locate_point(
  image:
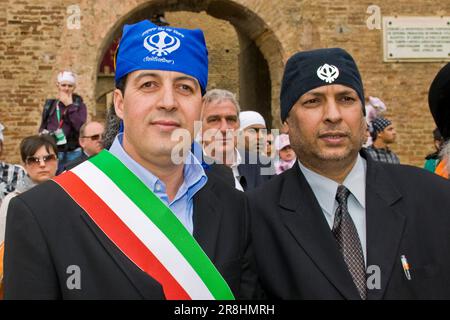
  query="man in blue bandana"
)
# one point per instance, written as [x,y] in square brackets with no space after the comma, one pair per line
[161,75]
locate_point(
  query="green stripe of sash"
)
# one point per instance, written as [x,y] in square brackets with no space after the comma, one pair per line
[165,220]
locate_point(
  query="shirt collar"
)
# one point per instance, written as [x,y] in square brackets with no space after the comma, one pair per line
[193,173]
[237,159]
[356,181]
[325,189]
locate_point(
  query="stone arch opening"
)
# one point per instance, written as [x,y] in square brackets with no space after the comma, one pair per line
[259,59]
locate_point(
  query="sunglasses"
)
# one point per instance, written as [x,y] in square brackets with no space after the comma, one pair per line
[94,137]
[35,161]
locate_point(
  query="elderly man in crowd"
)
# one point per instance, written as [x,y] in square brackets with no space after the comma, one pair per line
[220,125]
[91,142]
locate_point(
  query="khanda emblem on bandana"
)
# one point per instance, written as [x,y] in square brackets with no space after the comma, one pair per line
[328,73]
[161,43]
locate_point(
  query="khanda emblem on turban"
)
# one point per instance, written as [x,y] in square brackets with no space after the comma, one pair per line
[161,43]
[328,73]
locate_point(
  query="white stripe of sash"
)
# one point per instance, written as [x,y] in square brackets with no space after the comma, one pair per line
[150,235]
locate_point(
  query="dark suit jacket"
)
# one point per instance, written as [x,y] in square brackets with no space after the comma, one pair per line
[77,161]
[407,213]
[47,232]
[253,171]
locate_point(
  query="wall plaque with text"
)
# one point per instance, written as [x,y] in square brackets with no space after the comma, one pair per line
[416,39]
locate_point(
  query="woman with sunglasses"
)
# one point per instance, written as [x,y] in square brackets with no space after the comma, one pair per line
[39,155]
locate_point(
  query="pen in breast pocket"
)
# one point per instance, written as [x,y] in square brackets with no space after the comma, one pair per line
[405,266]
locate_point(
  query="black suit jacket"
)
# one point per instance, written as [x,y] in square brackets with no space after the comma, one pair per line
[254,171]
[72,164]
[47,232]
[407,213]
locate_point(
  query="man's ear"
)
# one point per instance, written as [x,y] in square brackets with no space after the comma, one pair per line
[118,103]
[286,126]
[81,142]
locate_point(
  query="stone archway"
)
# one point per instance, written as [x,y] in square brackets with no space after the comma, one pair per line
[260,54]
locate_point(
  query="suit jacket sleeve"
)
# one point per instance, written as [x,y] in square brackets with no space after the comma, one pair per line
[29,272]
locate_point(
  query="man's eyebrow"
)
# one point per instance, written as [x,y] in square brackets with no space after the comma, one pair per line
[182,78]
[147,74]
[156,75]
[341,93]
[316,94]
[346,92]
[212,117]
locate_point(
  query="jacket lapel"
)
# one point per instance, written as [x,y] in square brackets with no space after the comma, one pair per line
[206,217]
[385,225]
[303,217]
[222,172]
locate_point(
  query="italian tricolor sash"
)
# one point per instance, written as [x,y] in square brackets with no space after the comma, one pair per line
[143,228]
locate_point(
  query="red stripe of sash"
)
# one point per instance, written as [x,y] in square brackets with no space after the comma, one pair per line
[118,232]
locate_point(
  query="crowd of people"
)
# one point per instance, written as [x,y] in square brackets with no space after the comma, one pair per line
[300,212]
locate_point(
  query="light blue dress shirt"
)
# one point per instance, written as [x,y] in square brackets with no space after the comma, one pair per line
[183,203]
[325,191]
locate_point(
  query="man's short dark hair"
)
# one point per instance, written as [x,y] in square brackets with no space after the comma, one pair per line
[121,84]
[30,145]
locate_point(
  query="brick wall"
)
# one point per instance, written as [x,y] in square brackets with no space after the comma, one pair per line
[35,44]
[221,39]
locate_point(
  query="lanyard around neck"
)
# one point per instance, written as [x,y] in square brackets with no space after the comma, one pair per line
[58,115]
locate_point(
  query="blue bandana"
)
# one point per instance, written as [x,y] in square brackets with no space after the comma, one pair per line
[145,46]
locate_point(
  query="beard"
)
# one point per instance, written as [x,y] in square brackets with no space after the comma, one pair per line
[309,147]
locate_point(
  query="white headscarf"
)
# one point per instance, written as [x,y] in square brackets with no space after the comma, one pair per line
[374,108]
[250,118]
[67,76]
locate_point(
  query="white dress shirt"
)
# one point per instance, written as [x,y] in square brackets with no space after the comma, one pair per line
[325,191]
[234,168]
